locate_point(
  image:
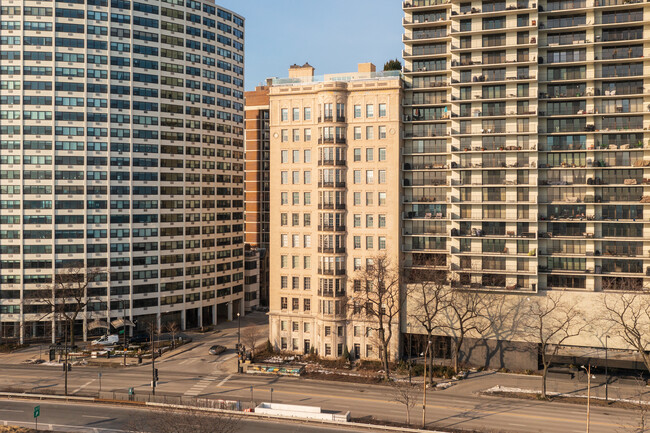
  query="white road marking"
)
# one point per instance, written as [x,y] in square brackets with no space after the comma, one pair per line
[83,386]
[226,358]
[95,416]
[200,386]
[11,410]
[225,380]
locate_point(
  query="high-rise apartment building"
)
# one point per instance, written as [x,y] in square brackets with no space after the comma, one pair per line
[525,150]
[334,203]
[257,180]
[122,149]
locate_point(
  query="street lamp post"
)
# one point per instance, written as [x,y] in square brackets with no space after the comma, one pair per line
[153,358]
[123,330]
[238,342]
[606,369]
[408,327]
[588,370]
[65,358]
[424,395]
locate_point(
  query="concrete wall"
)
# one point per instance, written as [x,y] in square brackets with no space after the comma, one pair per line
[499,354]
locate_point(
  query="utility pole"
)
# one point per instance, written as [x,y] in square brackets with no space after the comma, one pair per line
[424,395]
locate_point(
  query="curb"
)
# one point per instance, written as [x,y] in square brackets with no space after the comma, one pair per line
[47,397]
[224,411]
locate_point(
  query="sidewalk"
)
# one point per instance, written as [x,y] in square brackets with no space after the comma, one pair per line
[617,388]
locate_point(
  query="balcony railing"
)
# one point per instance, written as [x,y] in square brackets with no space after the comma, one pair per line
[598,3]
[339,162]
[422,3]
[331,184]
[331,228]
[331,250]
[322,271]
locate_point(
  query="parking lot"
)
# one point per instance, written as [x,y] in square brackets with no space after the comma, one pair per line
[193,356]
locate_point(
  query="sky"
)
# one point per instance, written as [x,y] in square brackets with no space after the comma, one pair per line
[332,35]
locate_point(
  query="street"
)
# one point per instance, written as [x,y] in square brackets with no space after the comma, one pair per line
[444,409]
[191,372]
[75,417]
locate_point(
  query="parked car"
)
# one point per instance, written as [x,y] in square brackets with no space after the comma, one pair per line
[217,349]
[107,340]
[139,338]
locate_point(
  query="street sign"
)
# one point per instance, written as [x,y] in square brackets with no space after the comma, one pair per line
[37,413]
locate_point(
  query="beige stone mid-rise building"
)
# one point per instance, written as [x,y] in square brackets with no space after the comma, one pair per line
[335,187]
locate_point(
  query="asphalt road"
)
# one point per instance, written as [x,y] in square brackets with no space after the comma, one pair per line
[444,409]
[71,417]
[192,372]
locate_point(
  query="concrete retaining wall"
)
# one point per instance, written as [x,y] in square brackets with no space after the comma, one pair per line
[304,412]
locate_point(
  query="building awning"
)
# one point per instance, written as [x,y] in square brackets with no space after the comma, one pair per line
[120,323]
[98,324]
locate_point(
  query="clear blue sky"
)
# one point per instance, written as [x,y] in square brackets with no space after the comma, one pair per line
[332,35]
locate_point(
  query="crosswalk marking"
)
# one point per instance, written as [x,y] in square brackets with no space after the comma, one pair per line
[200,386]
[224,380]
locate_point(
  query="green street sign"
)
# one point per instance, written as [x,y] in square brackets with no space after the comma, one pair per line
[37,411]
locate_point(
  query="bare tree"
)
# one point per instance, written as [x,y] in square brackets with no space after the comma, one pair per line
[641,407]
[184,421]
[551,322]
[376,295]
[173,328]
[628,315]
[428,291]
[67,296]
[465,313]
[406,394]
[251,336]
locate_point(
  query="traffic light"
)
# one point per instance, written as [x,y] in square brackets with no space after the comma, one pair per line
[155,374]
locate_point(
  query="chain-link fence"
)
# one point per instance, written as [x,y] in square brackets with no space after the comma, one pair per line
[180,400]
